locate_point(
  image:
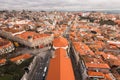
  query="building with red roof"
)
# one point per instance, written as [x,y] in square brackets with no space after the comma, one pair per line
[19,59]
[81,49]
[60,66]
[28,38]
[5,46]
[2,62]
[60,42]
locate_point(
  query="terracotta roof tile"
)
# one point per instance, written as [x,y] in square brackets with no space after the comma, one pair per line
[109,56]
[4,43]
[23,56]
[2,61]
[34,35]
[60,42]
[95,74]
[97,65]
[99,53]
[108,77]
[12,30]
[90,59]
[83,49]
[60,67]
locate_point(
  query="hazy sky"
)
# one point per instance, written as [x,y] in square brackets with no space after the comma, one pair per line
[60,4]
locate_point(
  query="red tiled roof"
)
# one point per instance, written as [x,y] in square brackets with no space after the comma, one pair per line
[99,53]
[12,30]
[88,59]
[34,35]
[60,42]
[117,21]
[108,77]
[60,67]
[83,49]
[114,62]
[95,74]
[4,43]
[109,56]
[23,56]
[97,65]
[2,61]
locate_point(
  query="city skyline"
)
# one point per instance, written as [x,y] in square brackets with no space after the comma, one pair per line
[71,5]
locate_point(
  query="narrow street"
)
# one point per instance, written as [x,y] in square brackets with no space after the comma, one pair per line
[75,67]
[40,69]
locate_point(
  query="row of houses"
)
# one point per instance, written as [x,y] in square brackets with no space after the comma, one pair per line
[60,66]
[90,57]
[5,46]
[18,59]
[90,65]
[96,41]
[28,38]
